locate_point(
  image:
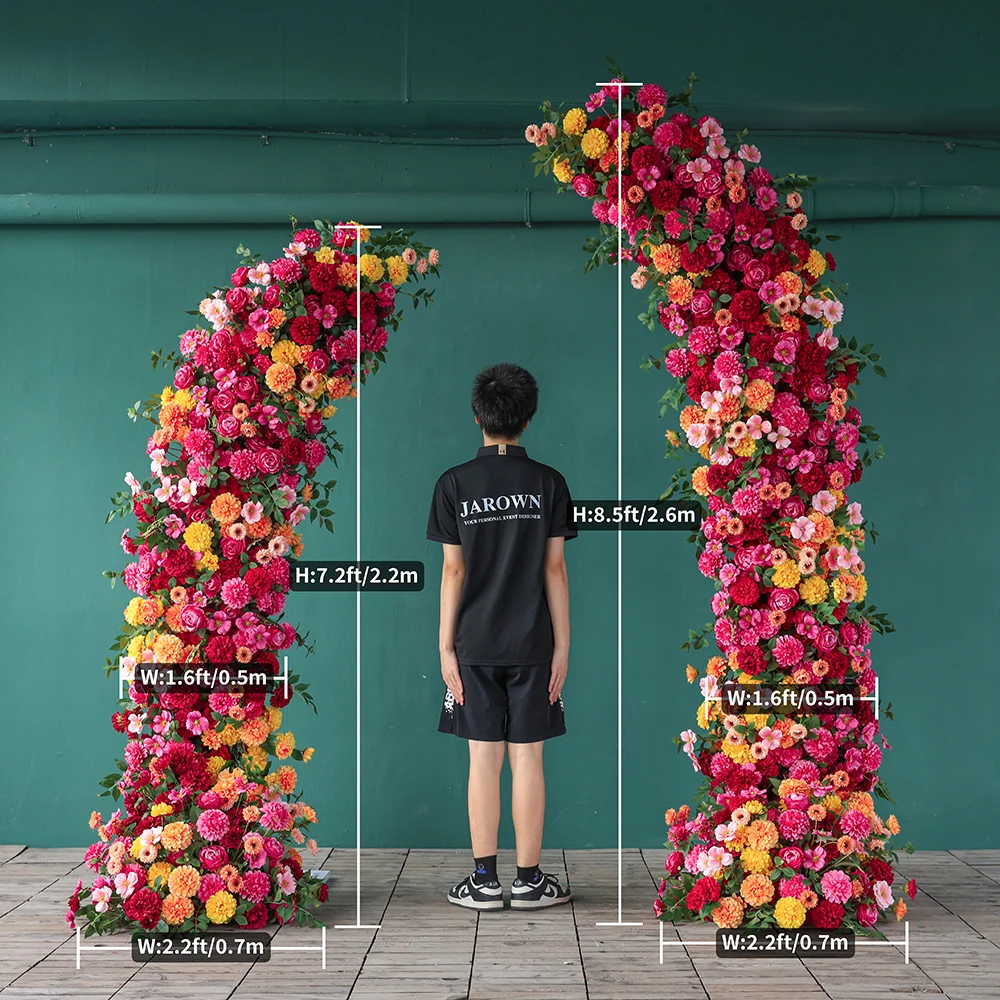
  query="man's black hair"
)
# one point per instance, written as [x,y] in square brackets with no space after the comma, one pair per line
[504,398]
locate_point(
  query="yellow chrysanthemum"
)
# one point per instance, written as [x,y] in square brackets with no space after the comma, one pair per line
[230,735]
[326,255]
[754,859]
[158,870]
[198,536]
[594,143]
[833,803]
[813,589]
[133,615]
[739,754]
[786,575]
[575,121]
[221,907]
[397,269]
[789,912]
[816,263]
[371,266]
[308,753]
[161,809]
[216,763]
[562,171]
[208,561]
[746,447]
[754,807]
[285,352]
[272,716]
[255,758]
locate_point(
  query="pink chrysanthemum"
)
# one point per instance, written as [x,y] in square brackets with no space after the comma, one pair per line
[212,824]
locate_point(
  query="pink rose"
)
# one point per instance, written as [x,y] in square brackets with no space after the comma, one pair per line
[238,299]
[792,507]
[782,599]
[709,185]
[271,297]
[239,277]
[584,185]
[791,857]
[247,388]
[826,639]
[269,461]
[818,390]
[820,434]
[213,857]
[867,914]
[756,274]
[739,257]
[228,426]
[232,547]
[192,618]
[701,303]
[223,401]
[675,862]
[184,376]
[273,848]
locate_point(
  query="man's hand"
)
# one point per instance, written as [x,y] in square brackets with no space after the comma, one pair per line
[560,664]
[449,671]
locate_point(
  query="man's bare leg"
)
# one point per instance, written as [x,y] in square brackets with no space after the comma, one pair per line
[527,800]
[485,764]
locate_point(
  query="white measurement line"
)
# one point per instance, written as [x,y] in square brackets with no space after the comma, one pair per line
[904,944]
[357,227]
[619,922]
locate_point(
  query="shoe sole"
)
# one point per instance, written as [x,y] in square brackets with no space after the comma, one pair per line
[537,904]
[474,904]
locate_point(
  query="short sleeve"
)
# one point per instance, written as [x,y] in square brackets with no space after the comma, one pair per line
[442,524]
[561,524]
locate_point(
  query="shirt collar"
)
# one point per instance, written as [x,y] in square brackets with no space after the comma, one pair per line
[493,449]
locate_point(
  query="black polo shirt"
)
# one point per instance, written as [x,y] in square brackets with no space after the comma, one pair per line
[501,508]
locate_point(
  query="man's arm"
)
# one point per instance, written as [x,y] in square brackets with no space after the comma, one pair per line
[452,579]
[557,595]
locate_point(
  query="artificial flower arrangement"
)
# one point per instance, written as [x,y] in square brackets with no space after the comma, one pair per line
[212,818]
[787,832]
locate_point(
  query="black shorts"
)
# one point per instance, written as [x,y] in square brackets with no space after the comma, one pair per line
[504,703]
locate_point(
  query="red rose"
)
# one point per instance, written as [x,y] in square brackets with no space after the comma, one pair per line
[792,507]
[213,857]
[238,299]
[247,388]
[584,185]
[268,461]
[751,660]
[228,426]
[256,916]
[272,297]
[240,276]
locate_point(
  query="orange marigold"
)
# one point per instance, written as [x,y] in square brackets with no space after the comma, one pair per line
[680,290]
[226,508]
[176,909]
[729,912]
[184,881]
[759,394]
[176,836]
[757,889]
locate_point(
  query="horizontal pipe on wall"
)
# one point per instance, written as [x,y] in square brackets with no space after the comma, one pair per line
[830,202]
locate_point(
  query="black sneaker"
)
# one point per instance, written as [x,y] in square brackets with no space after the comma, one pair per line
[534,895]
[477,895]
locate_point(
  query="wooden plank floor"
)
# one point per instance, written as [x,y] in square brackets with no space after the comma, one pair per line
[425,949]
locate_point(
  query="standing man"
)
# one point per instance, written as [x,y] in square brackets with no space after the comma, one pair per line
[503,519]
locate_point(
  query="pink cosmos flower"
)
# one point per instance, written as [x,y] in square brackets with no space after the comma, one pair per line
[259,320]
[749,153]
[252,511]
[833,310]
[803,529]
[260,273]
[781,438]
[125,883]
[825,502]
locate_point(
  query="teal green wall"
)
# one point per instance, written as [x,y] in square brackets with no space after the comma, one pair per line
[86,301]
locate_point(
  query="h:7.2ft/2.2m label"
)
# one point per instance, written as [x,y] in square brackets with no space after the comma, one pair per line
[313,574]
